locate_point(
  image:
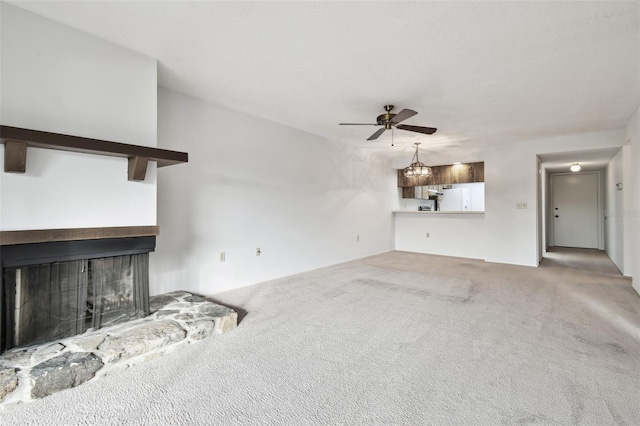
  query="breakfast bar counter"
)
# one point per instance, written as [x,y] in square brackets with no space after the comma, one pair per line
[448,233]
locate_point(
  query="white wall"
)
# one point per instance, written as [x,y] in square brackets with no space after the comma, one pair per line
[627,191]
[55,78]
[540,182]
[614,206]
[252,183]
[450,234]
[511,175]
[632,200]
[547,209]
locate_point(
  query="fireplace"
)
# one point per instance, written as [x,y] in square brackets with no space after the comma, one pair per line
[52,290]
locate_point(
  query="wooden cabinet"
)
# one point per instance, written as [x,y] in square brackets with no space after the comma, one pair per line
[458,173]
[442,175]
[408,192]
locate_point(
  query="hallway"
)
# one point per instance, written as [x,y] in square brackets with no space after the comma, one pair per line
[584,260]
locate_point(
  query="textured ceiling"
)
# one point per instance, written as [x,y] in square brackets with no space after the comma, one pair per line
[481,72]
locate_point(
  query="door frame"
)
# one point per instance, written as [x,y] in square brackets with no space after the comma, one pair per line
[550,211]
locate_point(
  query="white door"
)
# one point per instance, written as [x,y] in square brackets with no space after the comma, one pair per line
[575,210]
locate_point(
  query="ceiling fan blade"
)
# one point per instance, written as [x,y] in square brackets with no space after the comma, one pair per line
[358,124]
[376,135]
[403,115]
[419,129]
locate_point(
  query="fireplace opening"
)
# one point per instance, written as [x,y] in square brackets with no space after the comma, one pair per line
[52,291]
[62,299]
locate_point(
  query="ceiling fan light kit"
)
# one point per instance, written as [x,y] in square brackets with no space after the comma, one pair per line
[389,120]
[416,168]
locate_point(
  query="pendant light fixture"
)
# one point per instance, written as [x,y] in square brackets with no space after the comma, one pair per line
[416,168]
[575,167]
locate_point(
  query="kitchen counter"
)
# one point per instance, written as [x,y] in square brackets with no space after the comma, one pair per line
[460,234]
[430,212]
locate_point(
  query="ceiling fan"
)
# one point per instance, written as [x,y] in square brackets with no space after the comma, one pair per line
[389,120]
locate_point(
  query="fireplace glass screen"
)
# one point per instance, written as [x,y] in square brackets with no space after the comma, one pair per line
[61,299]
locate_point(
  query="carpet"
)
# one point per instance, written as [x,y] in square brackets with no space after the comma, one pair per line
[398,338]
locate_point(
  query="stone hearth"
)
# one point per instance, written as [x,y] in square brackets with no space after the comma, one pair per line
[176,318]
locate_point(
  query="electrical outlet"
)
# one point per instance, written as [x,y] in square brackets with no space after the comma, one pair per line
[428,235]
[521,205]
[222,256]
[258,251]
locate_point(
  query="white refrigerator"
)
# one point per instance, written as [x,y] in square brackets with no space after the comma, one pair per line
[455,200]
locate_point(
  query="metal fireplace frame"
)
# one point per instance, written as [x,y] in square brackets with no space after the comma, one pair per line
[47,252]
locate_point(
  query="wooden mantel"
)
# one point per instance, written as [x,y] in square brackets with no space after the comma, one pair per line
[75,234]
[17,140]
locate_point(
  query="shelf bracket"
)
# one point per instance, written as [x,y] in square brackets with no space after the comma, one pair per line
[15,157]
[138,168]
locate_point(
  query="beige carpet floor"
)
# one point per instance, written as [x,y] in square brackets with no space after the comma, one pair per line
[584,260]
[394,339]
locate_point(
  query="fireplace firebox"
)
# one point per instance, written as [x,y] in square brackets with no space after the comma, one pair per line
[53,290]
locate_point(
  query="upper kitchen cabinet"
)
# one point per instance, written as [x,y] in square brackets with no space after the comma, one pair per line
[458,173]
[443,175]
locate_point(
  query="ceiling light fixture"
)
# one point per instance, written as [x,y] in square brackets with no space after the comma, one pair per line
[416,168]
[575,167]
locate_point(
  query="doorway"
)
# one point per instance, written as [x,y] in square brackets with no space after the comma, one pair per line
[575,210]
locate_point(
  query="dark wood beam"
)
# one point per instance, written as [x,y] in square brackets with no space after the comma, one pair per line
[75,234]
[48,140]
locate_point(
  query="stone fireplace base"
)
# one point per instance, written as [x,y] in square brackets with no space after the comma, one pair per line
[176,318]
